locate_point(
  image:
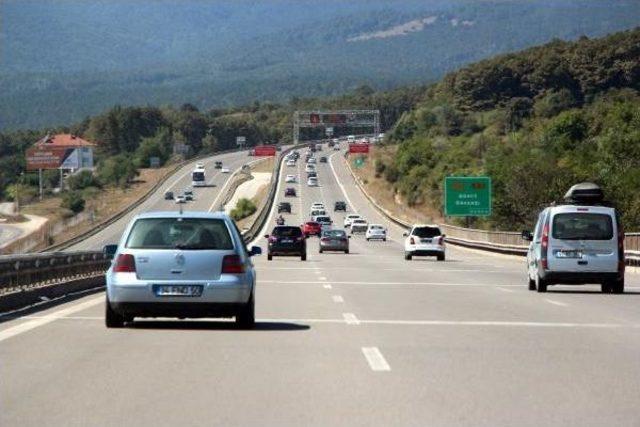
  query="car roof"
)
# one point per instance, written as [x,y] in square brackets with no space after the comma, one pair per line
[426,225]
[581,208]
[376,225]
[184,214]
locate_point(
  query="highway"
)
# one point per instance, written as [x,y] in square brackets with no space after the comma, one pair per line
[352,340]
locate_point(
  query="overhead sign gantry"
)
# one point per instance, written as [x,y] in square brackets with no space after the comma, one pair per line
[339,122]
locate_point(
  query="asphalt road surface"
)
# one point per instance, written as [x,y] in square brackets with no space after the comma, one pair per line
[353,340]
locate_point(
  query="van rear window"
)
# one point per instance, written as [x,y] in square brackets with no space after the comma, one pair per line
[582,226]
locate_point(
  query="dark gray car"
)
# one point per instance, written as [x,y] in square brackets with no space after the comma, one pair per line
[334,240]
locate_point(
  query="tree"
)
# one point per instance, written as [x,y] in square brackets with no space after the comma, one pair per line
[117,170]
[73,201]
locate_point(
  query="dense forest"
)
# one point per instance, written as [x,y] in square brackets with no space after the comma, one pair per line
[61,61]
[536,121]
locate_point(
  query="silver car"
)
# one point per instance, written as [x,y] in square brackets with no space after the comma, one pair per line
[334,240]
[191,264]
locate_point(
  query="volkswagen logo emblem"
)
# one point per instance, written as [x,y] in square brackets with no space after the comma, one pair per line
[179,259]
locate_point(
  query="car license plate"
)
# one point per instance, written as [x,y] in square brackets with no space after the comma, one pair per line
[177,290]
[286,241]
[426,240]
[569,254]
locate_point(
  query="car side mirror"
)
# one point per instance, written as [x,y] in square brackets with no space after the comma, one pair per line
[255,250]
[110,250]
[405,234]
[526,235]
[266,236]
[349,237]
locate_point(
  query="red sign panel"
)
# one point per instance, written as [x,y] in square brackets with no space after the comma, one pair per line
[39,157]
[359,148]
[265,150]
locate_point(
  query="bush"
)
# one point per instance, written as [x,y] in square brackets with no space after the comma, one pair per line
[243,209]
[82,180]
[73,201]
[117,170]
[379,167]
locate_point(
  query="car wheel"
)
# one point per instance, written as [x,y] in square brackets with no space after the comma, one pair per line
[532,284]
[303,257]
[618,286]
[346,251]
[367,239]
[541,284]
[246,317]
[384,240]
[606,288]
[407,256]
[441,257]
[320,250]
[269,257]
[111,318]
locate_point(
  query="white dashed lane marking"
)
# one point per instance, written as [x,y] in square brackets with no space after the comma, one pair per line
[376,360]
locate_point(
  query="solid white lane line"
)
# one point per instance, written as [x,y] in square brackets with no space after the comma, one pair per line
[561,304]
[337,298]
[376,360]
[504,289]
[327,286]
[32,324]
[350,319]
[344,192]
[283,282]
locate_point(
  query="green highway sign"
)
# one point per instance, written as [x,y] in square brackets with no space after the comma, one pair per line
[467,196]
[359,162]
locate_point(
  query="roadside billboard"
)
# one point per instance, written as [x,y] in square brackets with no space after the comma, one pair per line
[467,196]
[265,150]
[359,148]
[39,157]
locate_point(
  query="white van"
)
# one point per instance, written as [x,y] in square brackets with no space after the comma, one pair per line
[579,241]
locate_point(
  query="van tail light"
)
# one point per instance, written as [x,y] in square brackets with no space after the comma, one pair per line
[273,239]
[232,264]
[544,246]
[621,262]
[440,240]
[125,263]
[412,241]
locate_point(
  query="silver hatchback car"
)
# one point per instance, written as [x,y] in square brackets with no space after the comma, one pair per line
[191,264]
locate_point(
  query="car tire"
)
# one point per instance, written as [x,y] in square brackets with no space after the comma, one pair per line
[367,239]
[246,317]
[269,257]
[441,257]
[111,318]
[532,284]
[613,287]
[407,256]
[541,284]
[346,251]
[384,240]
[320,250]
[303,257]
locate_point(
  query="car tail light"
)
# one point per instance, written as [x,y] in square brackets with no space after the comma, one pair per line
[324,239]
[440,240]
[125,263]
[273,239]
[412,241]
[232,264]
[544,246]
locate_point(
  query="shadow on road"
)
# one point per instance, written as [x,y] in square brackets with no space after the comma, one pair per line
[588,292]
[215,325]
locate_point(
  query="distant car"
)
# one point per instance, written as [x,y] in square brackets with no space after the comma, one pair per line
[323,159]
[312,174]
[376,231]
[334,240]
[311,228]
[424,240]
[310,168]
[168,195]
[359,225]
[336,147]
[291,162]
[199,165]
[180,199]
[317,205]
[349,219]
[290,192]
[188,192]
[340,206]
[224,170]
[311,160]
[323,220]
[218,281]
[284,207]
[312,181]
[290,178]
[218,165]
[188,197]
[286,240]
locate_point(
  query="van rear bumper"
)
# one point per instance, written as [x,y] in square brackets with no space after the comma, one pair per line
[578,278]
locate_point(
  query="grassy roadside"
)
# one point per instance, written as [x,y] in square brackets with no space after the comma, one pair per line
[385,193]
[259,199]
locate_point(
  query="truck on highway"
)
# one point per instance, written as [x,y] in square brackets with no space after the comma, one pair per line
[198,177]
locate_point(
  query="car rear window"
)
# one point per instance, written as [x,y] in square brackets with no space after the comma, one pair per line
[312,224]
[323,219]
[426,231]
[582,226]
[287,231]
[334,233]
[179,233]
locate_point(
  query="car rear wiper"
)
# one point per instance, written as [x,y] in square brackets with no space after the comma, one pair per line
[185,246]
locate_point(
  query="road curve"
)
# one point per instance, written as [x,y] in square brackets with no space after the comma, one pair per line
[355,340]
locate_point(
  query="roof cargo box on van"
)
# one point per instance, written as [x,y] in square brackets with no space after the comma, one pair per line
[585,192]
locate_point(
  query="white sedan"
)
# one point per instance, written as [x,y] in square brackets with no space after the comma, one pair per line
[224,170]
[376,231]
[290,178]
[291,162]
[349,219]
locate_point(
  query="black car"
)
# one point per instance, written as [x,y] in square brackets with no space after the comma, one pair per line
[218,165]
[287,240]
[340,206]
[168,195]
[323,159]
[312,174]
[284,207]
[290,192]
